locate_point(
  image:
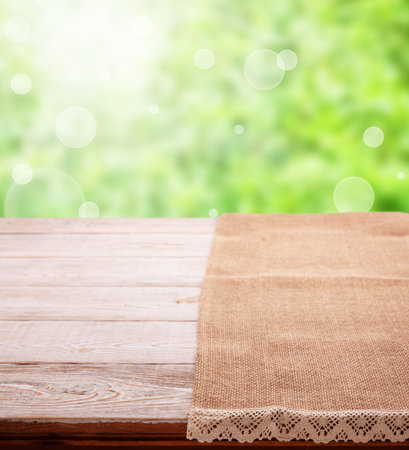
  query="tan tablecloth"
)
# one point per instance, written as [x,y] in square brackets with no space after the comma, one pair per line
[304,329]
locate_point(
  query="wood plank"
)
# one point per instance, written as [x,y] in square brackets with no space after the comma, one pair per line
[179,442]
[186,272]
[98,342]
[117,392]
[99,303]
[105,245]
[92,381]
[106,405]
[108,225]
[171,435]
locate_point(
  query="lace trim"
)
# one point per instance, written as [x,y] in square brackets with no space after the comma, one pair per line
[246,425]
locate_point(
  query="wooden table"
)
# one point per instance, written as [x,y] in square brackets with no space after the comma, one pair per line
[98,333]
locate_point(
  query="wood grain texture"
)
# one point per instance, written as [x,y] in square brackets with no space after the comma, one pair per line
[149,432]
[178,443]
[107,225]
[88,271]
[98,342]
[99,303]
[96,391]
[98,333]
[98,323]
[105,245]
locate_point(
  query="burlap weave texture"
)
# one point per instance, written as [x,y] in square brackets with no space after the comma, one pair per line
[304,329]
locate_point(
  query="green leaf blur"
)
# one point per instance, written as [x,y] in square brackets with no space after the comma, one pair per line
[300,138]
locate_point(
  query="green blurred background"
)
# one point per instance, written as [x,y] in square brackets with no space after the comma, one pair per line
[167,142]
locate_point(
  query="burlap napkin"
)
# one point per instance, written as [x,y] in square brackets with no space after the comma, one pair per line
[304,329]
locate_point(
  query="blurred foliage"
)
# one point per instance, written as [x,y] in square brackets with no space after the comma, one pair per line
[300,139]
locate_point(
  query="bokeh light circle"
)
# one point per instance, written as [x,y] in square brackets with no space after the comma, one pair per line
[75,127]
[17,28]
[353,194]
[154,109]
[143,26]
[263,69]
[373,136]
[22,173]
[105,75]
[239,129]
[287,59]
[213,212]
[204,59]
[20,84]
[88,209]
[401,175]
[50,193]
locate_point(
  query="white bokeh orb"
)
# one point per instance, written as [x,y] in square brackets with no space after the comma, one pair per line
[142,26]
[17,28]
[20,84]
[373,136]
[239,129]
[263,70]
[22,174]
[154,109]
[50,193]
[204,59]
[213,212]
[401,175]
[105,75]
[353,194]
[287,59]
[75,127]
[88,209]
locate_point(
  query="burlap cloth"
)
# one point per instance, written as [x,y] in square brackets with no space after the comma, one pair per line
[304,329]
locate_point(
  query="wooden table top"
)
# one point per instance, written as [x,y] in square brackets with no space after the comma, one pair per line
[98,330]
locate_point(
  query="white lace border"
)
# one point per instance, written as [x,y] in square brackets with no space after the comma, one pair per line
[247,425]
